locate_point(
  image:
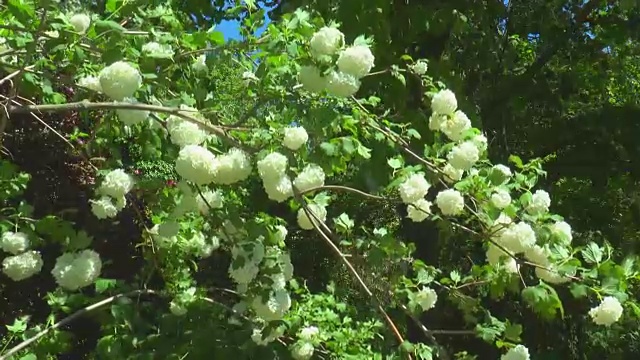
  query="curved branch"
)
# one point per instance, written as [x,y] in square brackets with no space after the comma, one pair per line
[344,188]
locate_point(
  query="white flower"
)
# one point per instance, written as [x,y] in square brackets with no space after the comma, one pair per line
[436,121]
[551,275]
[281,233]
[326,41]
[311,79]
[455,125]
[500,224]
[480,141]
[232,167]
[244,274]
[76,270]
[497,256]
[287,266]
[562,231]
[14,242]
[279,189]
[184,132]
[200,64]
[302,350]
[519,352]
[91,83]
[274,308]
[104,207]
[414,188]
[608,312]
[518,237]
[501,198]
[420,67]
[452,174]
[340,84]
[426,298]
[538,255]
[309,333]
[356,60]
[22,266]
[120,80]
[208,199]
[80,22]
[419,210]
[295,137]
[157,50]
[196,164]
[177,309]
[503,170]
[464,156]
[131,117]
[272,166]
[303,220]
[450,202]
[116,184]
[312,176]
[540,202]
[444,102]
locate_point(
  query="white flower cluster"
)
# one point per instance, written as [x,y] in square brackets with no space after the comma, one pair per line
[312,176]
[498,257]
[501,198]
[120,80]
[196,164]
[295,137]
[326,42]
[518,352]
[23,266]
[419,210]
[450,202]
[311,79]
[113,189]
[607,312]
[420,67]
[273,172]
[562,231]
[157,50]
[183,132]
[414,188]
[307,222]
[539,204]
[14,242]
[452,174]
[80,22]
[232,167]
[356,60]
[302,350]
[90,82]
[209,199]
[463,156]
[131,117]
[76,270]
[200,64]
[426,298]
[341,84]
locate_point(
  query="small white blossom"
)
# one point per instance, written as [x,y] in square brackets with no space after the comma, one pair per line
[196,164]
[463,156]
[184,132]
[414,188]
[213,199]
[80,22]
[311,79]
[14,242]
[518,237]
[340,84]
[608,312]
[309,333]
[504,171]
[497,256]
[273,166]
[426,298]
[356,60]
[23,266]
[455,125]
[157,50]
[104,207]
[302,350]
[279,189]
[326,42]
[436,121]
[91,83]
[481,142]
[305,222]
[562,231]
[76,270]
[419,210]
[232,167]
[444,102]
[450,202]
[120,80]
[131,117]
[519,352]
[312,176]
[117,183]
[452,174]
[540,202]
[249,77]
[501,198]
[295,137]
[200,64]
[420,67]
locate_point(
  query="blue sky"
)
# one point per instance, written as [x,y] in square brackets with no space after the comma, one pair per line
[231,29]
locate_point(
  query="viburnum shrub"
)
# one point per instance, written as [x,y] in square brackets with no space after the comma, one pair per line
[141,75]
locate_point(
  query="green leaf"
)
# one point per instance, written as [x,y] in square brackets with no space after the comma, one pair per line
[109,25]
[516,161]
[22,10]
[343,221]
[592,253]
[103,285]
[395,163]
[512,332]
[578,290]
[364,151]
[29,356]
[111,5]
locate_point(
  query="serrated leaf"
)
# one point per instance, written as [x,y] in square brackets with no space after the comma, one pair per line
[516,161]
[592,253]
[395,163]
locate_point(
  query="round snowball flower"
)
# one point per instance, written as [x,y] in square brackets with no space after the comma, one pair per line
[340,84]
[420,67]
[326,42]
[450,202]
[76,270]
[14,242]
[157,50]
[184,132]
[501,198]
[116,183]
[452,174]
[608,312]
[496,256]
[504,172]
[302,350]
[311,79]
[279,189]
[91,83]
[312,176]
[208,199]
[444,102]
[273,166]
[304,221]
[540,202]
[232,167]
[426,298]
[295,137]
[419,210]
[414,188]
[464,156]
[22,266]
[356,60]
[120,80]
[518,237]
[80,22]
[309,333]
[455,126]
[481,142]
[562,231]
[196,164]
[519,352]
[132,117]
[104,208]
